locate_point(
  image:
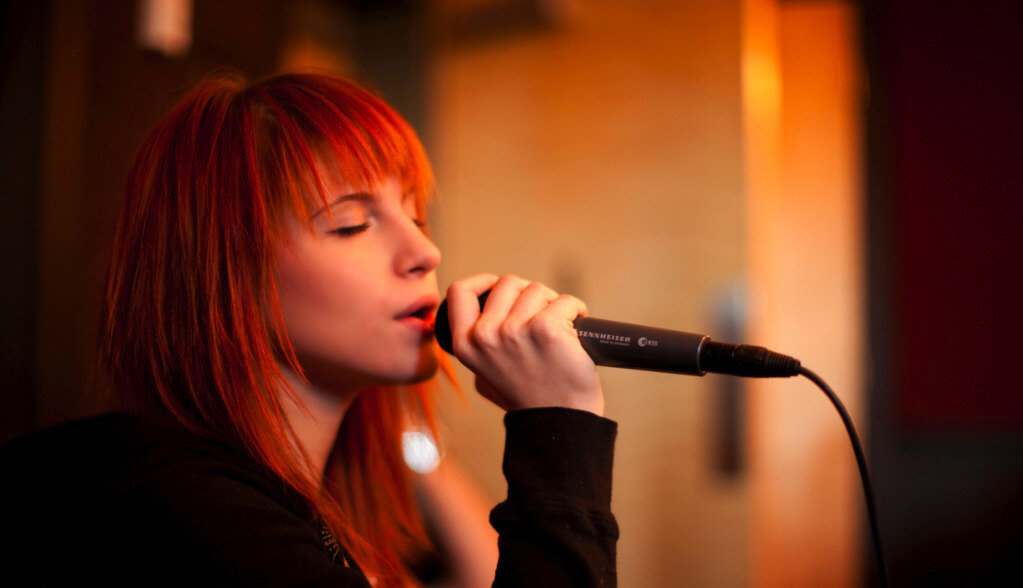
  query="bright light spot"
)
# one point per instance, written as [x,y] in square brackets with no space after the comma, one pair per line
[420,451]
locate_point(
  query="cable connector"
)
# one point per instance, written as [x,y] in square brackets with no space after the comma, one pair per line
[746,360]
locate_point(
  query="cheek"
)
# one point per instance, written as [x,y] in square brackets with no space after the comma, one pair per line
[338,311]
[318,299]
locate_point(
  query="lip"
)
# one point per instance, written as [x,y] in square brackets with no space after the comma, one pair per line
[421,314]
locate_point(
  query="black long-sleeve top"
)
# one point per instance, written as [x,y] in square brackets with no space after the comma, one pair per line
[120,500]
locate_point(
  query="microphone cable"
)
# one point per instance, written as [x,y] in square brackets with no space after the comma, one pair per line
[861,462]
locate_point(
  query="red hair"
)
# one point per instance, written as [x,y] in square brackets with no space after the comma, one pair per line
[191,326]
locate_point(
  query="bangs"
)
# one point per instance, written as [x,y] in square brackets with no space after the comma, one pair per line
[313,131]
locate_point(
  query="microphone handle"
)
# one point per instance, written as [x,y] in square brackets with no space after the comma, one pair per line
[638,347]
[625,345]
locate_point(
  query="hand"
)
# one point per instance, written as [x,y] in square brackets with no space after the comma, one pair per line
[522,347]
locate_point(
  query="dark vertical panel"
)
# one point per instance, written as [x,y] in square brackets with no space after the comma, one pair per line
[22,54]
[956,90]
[945,279]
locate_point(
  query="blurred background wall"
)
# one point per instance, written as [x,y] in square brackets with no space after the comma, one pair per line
[832,179]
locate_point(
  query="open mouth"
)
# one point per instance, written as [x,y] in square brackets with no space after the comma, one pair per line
[423,314]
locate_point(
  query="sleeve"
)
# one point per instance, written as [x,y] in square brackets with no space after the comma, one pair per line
[556,526]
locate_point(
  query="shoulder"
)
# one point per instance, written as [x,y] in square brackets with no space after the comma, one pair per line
[123,435]
[113,469]
[120,496]
[118,453]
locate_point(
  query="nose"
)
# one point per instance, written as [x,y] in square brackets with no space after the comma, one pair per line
[419,255]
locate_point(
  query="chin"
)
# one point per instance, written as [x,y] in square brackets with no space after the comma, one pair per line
[421,370]
[328,374]
[425,370]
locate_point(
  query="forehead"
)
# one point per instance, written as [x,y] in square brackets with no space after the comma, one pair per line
[387,190]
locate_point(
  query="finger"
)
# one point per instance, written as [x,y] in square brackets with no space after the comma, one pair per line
[554,328]
[503,295]
[464,308]
[477,284]
[488,334]
[533,299]
[563,308]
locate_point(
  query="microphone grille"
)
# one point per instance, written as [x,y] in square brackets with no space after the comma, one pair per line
[442,327]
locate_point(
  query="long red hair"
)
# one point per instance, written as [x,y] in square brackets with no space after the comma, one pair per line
[191,327]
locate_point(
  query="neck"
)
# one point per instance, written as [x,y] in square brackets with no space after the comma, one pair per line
[315,417]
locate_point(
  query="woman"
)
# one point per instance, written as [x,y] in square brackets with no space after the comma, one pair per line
[268,326]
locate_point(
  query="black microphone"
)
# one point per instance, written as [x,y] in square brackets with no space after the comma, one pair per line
[624,345]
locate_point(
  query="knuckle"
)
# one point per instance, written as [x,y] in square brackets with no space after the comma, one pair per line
[573,301]
[508,331]
[535,287]
[568,298]
[545,328]
[543,290]
[511,280]
[484,335]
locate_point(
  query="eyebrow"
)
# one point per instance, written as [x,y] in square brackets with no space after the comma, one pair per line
[359,196]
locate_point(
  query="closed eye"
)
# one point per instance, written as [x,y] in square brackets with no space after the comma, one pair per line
[349,231]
